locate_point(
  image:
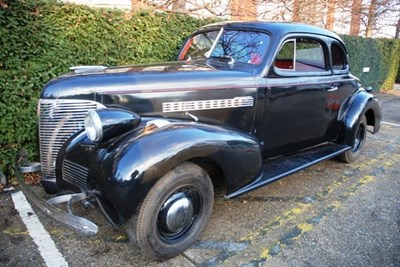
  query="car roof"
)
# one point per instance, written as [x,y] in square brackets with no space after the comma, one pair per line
[275,28]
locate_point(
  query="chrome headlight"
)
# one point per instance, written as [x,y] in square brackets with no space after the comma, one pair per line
[102,124]
[93,126]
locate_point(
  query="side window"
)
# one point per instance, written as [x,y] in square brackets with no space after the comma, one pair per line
[338,57]
[301,55]
[285,59]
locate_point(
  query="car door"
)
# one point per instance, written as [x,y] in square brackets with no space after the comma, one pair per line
[295,114]
[343,87]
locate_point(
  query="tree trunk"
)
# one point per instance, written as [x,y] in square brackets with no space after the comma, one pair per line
[307,11]
[243,9]
[371,18]
[296,11]
[355,17]
[331,14]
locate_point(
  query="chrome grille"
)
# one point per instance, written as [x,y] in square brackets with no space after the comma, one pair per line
[75,174]
[59,120]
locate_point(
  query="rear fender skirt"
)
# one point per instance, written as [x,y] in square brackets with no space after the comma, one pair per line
[130,169]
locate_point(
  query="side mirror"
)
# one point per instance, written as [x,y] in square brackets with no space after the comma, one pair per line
[369,89]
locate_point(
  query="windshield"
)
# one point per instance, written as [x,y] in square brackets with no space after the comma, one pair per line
[246,47]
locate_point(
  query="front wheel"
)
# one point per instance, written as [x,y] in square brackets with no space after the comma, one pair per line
[359,142]
[174,213]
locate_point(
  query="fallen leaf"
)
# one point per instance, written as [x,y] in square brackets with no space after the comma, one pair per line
[32,178]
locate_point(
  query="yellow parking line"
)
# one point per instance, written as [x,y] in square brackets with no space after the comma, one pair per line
[301,208]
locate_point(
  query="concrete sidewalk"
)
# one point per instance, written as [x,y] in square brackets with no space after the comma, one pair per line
[396,90]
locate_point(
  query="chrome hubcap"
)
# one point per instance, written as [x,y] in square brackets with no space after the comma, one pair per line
[176,213]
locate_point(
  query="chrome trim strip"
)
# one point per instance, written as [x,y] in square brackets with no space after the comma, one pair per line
[177,89]
[236,102]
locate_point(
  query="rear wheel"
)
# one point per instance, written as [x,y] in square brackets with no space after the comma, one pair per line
[174,212]
[359,141]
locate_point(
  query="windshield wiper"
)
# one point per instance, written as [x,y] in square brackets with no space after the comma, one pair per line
[209,52]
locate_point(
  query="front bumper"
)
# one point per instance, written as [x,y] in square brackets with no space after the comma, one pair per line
[78,224]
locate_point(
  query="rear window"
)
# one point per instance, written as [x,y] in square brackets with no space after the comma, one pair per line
[338,58]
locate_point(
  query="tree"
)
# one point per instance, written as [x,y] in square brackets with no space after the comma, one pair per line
[344,16]
[243,9]
[199,8]
[275,10]
[178,5]
[376,15]
[370,19]
[331,14]
[297,11]
[308,11]
[355,17]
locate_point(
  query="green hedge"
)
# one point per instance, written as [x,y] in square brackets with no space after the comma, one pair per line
[398,73]
[42,39]
[382,56]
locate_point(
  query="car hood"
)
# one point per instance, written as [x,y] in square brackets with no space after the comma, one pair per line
[161,77]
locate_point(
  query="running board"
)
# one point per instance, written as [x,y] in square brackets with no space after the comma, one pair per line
[278,168]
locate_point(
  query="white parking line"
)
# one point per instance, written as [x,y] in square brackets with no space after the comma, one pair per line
[389,123]
[47,248]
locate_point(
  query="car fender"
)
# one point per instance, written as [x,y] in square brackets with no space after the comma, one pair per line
[134,163]
[362,103]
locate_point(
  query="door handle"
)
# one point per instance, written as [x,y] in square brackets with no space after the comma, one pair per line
[333,88]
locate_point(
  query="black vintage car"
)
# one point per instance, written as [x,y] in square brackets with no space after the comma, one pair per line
[245,104]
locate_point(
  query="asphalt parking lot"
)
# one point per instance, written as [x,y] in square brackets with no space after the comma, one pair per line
[332,214]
